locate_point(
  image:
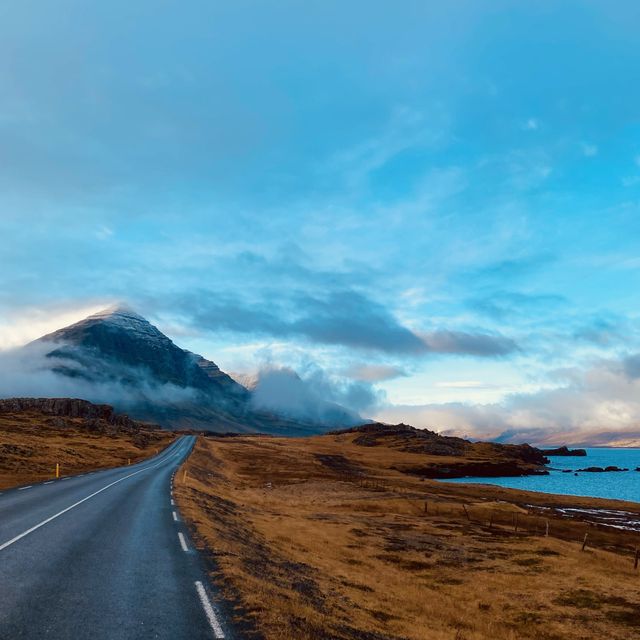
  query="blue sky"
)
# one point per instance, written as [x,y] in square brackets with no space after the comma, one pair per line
[435,204]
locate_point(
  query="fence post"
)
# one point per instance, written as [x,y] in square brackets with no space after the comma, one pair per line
[466,513]
[584,542]
[635,562]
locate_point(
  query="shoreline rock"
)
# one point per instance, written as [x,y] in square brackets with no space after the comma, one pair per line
[564,451]
[600,469]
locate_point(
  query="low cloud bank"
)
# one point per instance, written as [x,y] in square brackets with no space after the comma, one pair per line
[315,397]
[598,406]
[29,372]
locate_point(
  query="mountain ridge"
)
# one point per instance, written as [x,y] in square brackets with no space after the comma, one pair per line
[141,371]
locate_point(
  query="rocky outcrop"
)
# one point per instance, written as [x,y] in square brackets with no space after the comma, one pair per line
[600,469]
[403,437]
[474,459]
[69,408]
[564,451]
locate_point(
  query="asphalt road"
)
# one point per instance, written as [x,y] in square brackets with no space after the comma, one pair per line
[103,557]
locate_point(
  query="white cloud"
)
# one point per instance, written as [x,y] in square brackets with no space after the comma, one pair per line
[374,372]
[25,325]
[104,233]
[597,405]
[462,384]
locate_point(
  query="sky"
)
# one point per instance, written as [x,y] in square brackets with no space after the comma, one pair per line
[434,206]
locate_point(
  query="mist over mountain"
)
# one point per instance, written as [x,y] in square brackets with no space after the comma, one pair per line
[118,357]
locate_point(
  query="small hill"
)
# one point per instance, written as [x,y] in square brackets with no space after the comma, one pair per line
[38,433]
[445,456]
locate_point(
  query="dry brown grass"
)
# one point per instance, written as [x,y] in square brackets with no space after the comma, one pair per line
[319,539]
[32,443]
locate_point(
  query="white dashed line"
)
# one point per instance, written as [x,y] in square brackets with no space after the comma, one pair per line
[183,542]
[49,481]
[23,488]
[208,610]
[172,502]
[175,516]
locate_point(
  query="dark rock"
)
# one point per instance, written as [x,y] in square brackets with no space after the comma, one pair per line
[407,438]
[601,469]
[484,469]
[70,408]
[564,451]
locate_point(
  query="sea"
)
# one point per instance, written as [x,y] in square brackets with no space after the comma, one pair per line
[619,485]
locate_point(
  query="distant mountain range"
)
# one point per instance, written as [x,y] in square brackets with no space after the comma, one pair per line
[126,361]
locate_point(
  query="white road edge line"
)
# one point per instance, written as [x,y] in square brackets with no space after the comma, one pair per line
[48,481]
[175,516]
[23,488]
[183,542]
[208,610]
[75,504]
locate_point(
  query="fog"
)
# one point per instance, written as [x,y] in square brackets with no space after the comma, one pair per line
[316,397]
[29,372]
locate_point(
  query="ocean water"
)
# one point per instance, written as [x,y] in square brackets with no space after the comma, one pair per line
[618,485]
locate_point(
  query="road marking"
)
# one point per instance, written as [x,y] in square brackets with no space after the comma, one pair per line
[183,542]
[49,481]
[23,488]
[172,502]
[208,610]
[175,516]
[75,504]
[68,478]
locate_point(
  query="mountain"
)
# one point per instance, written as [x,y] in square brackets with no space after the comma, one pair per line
[117,356]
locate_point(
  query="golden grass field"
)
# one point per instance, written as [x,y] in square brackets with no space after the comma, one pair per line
[319,538]
[32,443]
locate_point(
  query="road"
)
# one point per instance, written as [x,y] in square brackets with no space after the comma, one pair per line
[103,556]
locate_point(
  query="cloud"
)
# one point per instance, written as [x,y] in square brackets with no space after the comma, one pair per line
[596,405]
[463,384]
[374,372]
[589,150]
[631,366]
[341,317]
[504,304]
[509,269]
[316,397]
[104,232]
[29,372]
[603,331]
[461,342]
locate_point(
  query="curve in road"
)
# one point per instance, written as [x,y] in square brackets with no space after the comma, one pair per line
[103,556]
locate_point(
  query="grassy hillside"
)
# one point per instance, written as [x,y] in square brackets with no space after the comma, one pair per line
[32,441]
[329,538]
